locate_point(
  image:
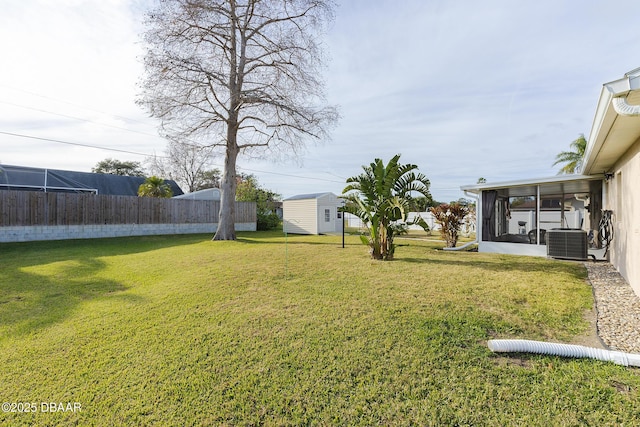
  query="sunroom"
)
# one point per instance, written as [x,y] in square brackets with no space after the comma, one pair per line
[519,217]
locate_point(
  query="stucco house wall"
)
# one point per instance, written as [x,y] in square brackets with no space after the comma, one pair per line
[623,198]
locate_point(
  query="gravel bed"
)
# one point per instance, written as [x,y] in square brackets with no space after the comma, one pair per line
[617,306]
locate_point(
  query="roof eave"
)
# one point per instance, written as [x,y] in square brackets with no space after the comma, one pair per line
[607,112]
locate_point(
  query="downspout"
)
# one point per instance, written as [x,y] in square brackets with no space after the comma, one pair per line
[478,221]
[563,350]
[563,220]
[623,108]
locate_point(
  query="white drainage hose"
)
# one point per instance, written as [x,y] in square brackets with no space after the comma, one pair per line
[564,350]
[459,248]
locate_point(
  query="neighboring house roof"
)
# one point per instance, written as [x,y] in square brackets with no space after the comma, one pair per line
[206,194]
[309,196]
[53,180]
[616,119]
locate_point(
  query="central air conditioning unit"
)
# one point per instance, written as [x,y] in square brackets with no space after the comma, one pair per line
[567,244]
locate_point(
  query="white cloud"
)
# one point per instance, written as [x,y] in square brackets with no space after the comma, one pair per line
[71,72]
[462,88]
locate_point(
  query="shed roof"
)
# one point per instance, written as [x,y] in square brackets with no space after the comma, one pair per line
[39,179]
[309,196]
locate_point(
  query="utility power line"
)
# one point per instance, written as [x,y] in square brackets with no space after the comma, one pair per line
[78,144]
[67,116]
[82,107]
[97,147]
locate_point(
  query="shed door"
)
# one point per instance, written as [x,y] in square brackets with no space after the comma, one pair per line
[326,219]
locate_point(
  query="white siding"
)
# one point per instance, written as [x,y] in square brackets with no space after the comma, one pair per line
[548,220]
[299,216]
[307,214]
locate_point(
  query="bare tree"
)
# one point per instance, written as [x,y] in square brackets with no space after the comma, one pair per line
[239,75]
[188,164]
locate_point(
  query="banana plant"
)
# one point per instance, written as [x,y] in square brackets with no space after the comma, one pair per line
[380,198]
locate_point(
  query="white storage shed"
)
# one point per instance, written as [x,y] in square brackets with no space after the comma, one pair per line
[312,214]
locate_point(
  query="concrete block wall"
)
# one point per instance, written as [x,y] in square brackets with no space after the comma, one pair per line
[65,232]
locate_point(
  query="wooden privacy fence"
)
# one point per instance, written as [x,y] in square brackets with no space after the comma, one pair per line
[29,208]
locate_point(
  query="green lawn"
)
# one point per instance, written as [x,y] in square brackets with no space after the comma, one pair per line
[297,331]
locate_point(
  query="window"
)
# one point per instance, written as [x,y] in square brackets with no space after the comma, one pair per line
[327,215]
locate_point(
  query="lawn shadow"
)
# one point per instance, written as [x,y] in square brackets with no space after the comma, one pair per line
[58,250]
[44,282]
[298,239]
[498,264]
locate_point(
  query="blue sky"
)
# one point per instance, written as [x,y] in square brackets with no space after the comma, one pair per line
[464,89]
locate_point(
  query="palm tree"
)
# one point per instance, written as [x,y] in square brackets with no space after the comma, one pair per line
[573,159]
[380,198]
[155,187]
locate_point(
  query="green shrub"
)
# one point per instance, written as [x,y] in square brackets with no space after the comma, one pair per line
[267,221]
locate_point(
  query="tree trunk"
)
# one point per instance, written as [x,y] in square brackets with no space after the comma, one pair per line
[226,224]
[200,53]
[226,221]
